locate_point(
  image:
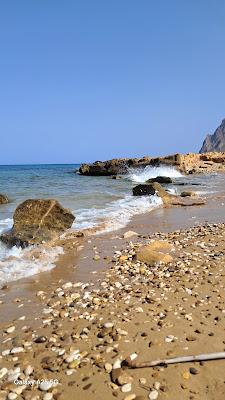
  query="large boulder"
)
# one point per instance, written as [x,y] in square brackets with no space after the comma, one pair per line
[37,221]
[3,199]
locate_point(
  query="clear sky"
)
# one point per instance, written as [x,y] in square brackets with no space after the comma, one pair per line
[85,80]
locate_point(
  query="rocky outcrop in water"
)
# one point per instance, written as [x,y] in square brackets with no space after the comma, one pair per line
[121,165]
[191,163]
[3,199]
[37,221]
[167,198]
[215,142]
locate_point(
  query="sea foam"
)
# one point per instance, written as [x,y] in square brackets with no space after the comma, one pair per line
[17,263]
[141,175]
[116,214]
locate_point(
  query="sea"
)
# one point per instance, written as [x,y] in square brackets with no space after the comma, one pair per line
[102,203]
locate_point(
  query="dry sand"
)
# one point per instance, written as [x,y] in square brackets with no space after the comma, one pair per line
[76,332]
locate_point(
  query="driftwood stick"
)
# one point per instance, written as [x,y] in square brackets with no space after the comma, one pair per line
[201,357]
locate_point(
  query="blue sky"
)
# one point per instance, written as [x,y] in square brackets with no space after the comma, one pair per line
[83,80]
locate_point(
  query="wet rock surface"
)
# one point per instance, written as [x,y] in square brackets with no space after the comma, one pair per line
[37,221]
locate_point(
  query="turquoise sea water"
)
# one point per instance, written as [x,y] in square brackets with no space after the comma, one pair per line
[97,202]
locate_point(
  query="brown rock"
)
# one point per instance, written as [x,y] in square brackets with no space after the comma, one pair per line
[3,199]
[37,221]
[160,179]
[152,257]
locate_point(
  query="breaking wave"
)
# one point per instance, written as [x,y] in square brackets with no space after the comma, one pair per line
[116,214]
[141,175]
[17,263]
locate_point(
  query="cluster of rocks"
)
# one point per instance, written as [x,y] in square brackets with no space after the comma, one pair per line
[191,163]
[168,199]
[162,296]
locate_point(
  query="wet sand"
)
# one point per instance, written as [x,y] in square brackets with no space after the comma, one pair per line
[183,300]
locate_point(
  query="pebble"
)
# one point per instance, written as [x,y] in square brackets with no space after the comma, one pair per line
[130,397]
[48,396]
[45,386]
[17,350]
[193,371]
[153,395]
[108,367]
[11,329]
[3,372]
[12,396]
[126,388]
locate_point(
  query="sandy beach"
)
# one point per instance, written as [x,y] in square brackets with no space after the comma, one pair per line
[68,329]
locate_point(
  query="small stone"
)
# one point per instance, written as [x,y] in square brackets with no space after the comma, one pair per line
[12,396]
[153,395]
[48,396]
[129,234]
[41,339]
[193,371]
[108,367]
[126,388]
[17,350]
[108,325]
[28,370]
[45,386]
[11,329]
[96,257]
[186,375]
[3,372]
[143,381]
[116,364]
[130,397]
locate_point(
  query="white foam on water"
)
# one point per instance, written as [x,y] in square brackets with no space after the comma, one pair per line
[116,214]
[141,175]
[17,263]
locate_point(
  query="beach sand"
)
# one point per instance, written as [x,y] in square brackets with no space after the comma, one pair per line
[156,312]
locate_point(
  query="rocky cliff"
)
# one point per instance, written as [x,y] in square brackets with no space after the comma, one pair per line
[215,142]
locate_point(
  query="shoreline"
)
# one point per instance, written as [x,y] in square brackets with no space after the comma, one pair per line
[77,263]
[153,312]
[24,302]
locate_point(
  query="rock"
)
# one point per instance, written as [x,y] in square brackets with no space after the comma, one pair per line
[3,199]
[160,245]
[129,234]
[153,395]
[143,190]
[126,388]
[119,165]
[37,221]
[151,257]
[160,179]
[193,371]
[41,339]
[187,194]
[45,385]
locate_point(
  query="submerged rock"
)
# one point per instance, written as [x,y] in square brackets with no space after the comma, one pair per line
[37,221]
[3,199]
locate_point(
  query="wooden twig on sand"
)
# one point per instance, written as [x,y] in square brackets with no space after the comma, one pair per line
[201,357]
